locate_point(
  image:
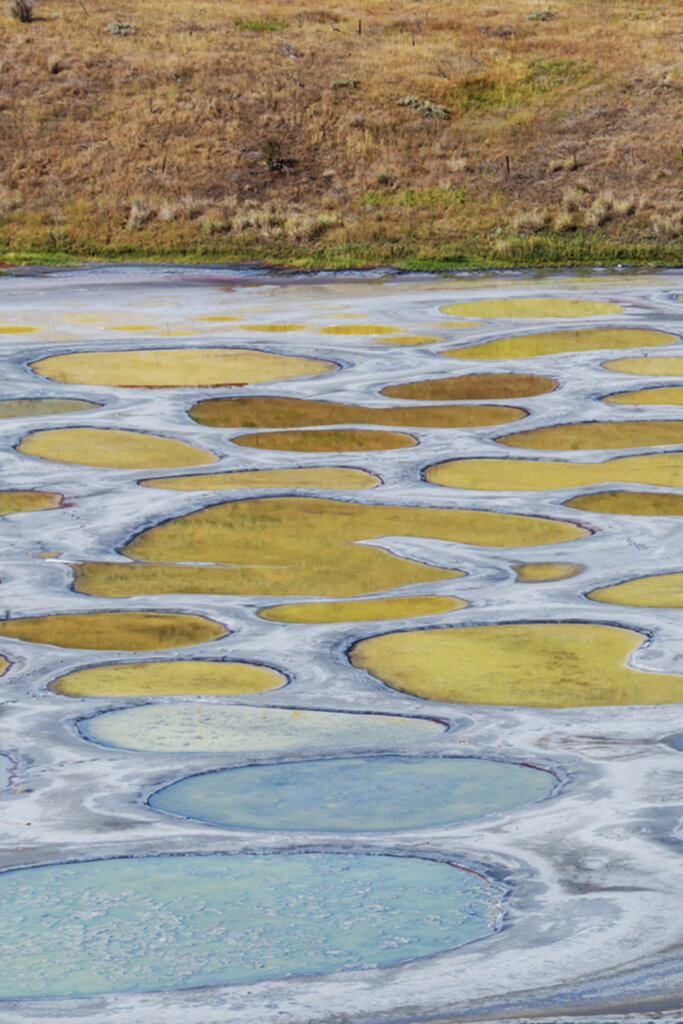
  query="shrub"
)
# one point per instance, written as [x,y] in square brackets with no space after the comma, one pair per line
[121,28]
[424,106]
[22,10]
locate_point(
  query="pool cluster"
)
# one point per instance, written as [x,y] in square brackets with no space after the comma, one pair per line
[362,505]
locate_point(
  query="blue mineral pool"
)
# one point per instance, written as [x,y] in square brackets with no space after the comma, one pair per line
[356,794]
[151,923]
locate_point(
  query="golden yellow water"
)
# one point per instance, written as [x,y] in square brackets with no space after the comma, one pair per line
[545,572]
[650,396]
[531,307]
[322,478]
[588,436]
[275,328]
[327,440]
[665,469]
[168,678]
[652,366]
[4,665]
[362,611]
[177,367]
[527,345]
[286,413]
[219,319]
[27,501]
[368,329]
[119,631]
[630,503]
[559,665]
[473,387]
[115,449]
[665,591]
[14,407]
[22,329]
[310,548]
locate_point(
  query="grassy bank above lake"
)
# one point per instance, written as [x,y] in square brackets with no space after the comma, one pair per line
[425,134]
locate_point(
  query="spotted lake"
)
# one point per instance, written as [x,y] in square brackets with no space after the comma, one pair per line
[341,646]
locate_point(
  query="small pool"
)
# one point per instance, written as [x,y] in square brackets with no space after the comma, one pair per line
[152,923]
[356,794]
[196,728]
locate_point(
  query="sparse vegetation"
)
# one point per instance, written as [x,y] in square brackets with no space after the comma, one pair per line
[424,106]
[260,24]
[121,28]
[450,135]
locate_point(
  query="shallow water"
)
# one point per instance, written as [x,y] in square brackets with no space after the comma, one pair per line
[165,368]
[123,631]
[360,794]
[496,609]
[312,548]
[527,346]
[293,412]
[214,728]
[140,925]
[557,665]
[168,678]
[112,449]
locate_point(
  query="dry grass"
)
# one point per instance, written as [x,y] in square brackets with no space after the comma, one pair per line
[284,135]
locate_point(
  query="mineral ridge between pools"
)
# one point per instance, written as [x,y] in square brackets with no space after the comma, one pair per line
[266,413]
[359,794]
[196,728]
[168,678]
[118,631]
[27,501]
[533,664]
[587,436]
[360,611]
[318,478]
[662,591]
[5,768]
[665,469]
[169,367]
[529,346]
[311,548]
[76,929]
[112,449]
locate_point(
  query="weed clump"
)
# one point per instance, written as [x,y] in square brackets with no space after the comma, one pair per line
[22,10]
[344,83]
[121,28]
[424,106]
[260,24]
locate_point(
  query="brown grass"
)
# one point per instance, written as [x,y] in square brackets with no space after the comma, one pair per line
[195,135]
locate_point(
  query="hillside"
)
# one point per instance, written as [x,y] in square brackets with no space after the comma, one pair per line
[425,133]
